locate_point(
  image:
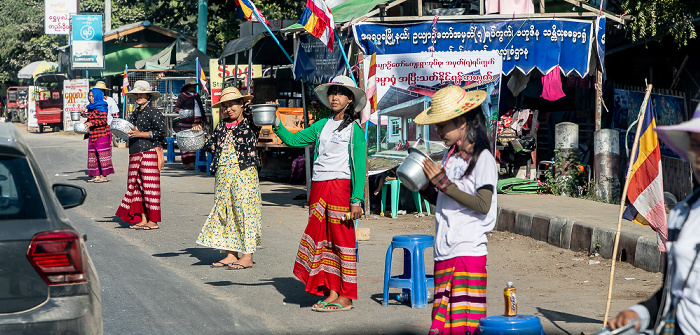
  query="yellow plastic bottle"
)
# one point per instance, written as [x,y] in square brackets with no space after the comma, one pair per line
[510,300]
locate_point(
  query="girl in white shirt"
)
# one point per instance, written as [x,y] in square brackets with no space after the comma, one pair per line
[463,190]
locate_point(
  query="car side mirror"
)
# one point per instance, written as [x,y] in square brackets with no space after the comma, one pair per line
[69,196]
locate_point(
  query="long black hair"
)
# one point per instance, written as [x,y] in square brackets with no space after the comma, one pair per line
[475,133]
[350,115]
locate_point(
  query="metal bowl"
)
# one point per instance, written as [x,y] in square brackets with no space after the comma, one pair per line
[121,128]
[190,140]
[80,128]
[186,113]
[410,172]
[264,114]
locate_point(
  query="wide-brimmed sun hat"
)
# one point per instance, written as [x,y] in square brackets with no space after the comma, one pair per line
[449,103]
[231,93]
[189,82]
[101,85]
[142,86]
[677,137]
[345,81]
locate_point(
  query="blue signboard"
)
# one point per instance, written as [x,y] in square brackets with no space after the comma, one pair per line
[87,48]
[525,44]
[314,63]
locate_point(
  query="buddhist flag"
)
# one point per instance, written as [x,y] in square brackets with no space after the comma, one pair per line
[646,190]
[247,10]
[317,19]
[125,82]
[371,89]
[201,77]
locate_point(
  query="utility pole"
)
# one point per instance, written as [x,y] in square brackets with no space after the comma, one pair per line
[202,26]
[108,15]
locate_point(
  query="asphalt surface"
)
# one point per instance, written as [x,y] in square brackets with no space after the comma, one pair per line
[160,282]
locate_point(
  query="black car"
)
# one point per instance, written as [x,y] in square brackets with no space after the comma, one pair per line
[48,283]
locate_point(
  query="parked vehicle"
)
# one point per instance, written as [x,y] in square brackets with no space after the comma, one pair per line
[49,100]
[17,99]
[48,283]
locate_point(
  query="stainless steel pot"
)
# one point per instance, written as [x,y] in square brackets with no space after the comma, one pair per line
[80,128]
[121,128]
[410,172]
[75,116]
[264,114]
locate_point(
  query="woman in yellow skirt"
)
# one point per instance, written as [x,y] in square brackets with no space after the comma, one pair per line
[235,222]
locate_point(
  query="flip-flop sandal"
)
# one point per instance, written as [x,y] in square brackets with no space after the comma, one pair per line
[148,227]
[136,226]
[236,266]
[341,309]
[92,180]
[100,181]
[223,265]
[320,302]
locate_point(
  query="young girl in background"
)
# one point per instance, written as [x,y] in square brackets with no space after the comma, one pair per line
[463,190]
[235,223]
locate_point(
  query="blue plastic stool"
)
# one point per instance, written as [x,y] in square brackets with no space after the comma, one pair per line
[510,325]
[413,278]
[201,163]
[170,154]
[394,195]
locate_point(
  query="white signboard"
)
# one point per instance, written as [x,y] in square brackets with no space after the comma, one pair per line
[87,47]
[31,109]
[75,99]
[57,16]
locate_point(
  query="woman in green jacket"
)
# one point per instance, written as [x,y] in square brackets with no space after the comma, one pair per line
[326,261]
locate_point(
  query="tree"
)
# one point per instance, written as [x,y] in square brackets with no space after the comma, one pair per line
[654,18]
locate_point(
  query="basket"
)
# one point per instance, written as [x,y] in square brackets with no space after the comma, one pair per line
[80,128]
[190,140]
[186,113]
[121,128]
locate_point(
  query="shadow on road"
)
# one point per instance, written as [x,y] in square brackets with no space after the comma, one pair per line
[554,316]
[284,197]
[291,288]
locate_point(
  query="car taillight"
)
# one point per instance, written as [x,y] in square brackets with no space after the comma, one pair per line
[58,257]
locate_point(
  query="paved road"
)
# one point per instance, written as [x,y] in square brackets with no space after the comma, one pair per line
[157,282]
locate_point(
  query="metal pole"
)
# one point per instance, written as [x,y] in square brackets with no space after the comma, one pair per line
[307,150]
[202,26]
[250,69]
[108,15]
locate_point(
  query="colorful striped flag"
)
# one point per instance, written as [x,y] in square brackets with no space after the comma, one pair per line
[125,82]
[371,89]
[201,77]
[317,19]
[646,190]
[247,10]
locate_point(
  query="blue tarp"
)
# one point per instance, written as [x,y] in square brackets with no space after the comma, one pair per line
[525,44]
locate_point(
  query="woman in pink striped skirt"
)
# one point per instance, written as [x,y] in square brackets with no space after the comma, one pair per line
[141,203]
[463,189]
[99,138]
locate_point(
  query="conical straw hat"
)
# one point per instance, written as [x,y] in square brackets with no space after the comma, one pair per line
[449,103]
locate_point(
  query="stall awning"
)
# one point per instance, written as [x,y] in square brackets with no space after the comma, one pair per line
[118,56]
[265,50]
[179,55]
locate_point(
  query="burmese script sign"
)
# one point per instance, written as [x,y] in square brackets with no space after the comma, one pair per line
[525,44]
[57,16]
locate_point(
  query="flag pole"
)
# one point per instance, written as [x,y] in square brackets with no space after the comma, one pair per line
[196,77]
[342,51]
[126,67]
[273,36]
[635,146]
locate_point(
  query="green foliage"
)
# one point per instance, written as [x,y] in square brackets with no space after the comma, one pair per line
[658,17]
[565,177]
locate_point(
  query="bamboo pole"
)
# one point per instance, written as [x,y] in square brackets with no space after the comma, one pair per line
[635,145]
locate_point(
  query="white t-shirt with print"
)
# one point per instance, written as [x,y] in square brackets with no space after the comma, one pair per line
[333,160]
[459,231]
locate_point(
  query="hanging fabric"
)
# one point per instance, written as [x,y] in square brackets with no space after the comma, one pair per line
[551,85]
